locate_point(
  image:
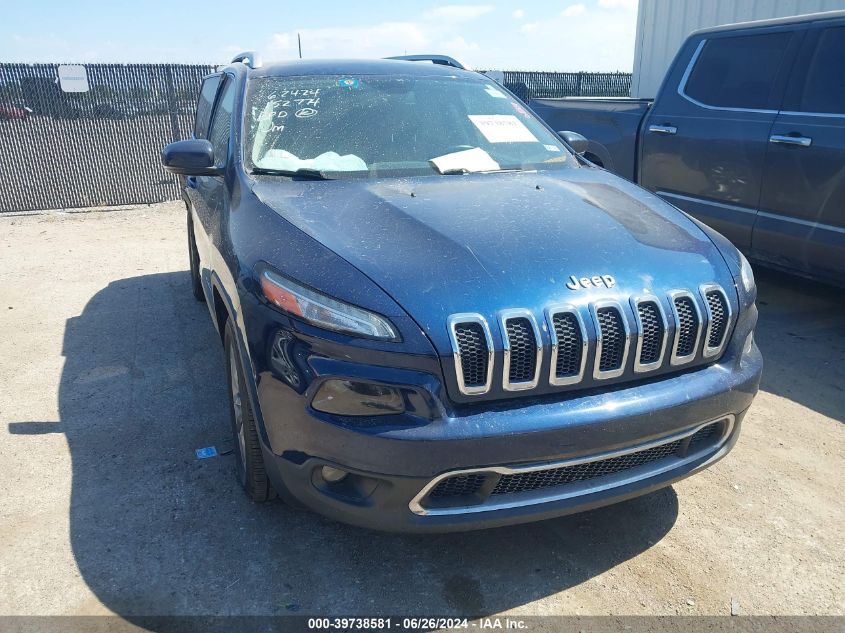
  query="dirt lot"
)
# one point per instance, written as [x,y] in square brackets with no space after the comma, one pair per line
[111,376]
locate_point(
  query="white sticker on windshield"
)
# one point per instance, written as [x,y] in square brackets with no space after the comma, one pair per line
[552,148]
[493,92]
[502,128]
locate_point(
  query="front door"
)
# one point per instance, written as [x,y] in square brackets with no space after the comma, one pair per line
[704,143]
[801,224]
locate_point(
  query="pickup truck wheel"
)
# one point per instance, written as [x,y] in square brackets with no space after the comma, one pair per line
[249,463]
[194,259]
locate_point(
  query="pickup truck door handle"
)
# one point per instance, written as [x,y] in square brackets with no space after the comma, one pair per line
[800,141]
[663,129]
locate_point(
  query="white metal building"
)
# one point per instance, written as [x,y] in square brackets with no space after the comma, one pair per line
[662,25]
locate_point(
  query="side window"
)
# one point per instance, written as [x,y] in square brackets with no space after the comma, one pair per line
[221,122]
[737,72]
[824,90]
[204,105]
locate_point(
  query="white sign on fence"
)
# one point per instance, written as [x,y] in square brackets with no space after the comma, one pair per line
[73,78]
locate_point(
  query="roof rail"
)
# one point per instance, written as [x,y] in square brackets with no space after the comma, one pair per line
[443,60]
[250,58]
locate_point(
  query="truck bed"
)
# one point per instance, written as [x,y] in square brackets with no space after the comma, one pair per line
[610,123]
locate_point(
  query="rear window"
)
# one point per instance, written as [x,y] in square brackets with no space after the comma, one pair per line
[737,72]
[204,105]
[824,90]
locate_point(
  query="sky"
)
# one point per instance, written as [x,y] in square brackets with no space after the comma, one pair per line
[569,35]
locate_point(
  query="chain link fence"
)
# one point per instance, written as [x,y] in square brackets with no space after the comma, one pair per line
[529,85]
[96,148]
[101,147]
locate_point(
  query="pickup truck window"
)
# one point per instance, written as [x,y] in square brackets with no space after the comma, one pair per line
[384,126]
[737,72]
[824,90]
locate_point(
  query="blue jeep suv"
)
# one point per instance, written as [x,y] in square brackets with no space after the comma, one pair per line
[436,314]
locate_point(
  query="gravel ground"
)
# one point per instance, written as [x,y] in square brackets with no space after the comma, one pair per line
[111,376]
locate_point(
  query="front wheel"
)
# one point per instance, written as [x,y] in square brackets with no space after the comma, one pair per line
[249,463]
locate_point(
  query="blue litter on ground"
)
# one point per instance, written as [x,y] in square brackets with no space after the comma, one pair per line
[205,453]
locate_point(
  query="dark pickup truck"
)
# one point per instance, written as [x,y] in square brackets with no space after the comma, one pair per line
[747,134]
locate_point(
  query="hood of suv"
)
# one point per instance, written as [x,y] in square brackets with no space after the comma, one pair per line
[488,242]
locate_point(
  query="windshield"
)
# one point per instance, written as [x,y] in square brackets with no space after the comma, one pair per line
[374,126]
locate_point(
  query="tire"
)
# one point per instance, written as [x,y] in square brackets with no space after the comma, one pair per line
[249,463]
[194,259]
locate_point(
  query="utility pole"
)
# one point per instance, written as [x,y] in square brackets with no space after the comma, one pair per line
[299,41]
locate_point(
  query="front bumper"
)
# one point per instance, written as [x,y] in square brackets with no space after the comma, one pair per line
[394,468]
[387,506]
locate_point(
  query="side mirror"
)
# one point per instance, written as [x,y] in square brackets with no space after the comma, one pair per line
[194,157]
[577,142]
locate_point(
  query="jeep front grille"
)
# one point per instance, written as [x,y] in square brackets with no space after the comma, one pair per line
[680,328]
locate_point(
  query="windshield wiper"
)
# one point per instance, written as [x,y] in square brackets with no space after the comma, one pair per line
[460,171]
[303,172]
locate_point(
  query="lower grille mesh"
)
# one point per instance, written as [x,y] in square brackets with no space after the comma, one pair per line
[459,486]
[702,437]
[522,482]
[687,326]
[472,347]
[472,483]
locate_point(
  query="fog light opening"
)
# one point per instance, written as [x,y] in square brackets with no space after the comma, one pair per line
[333,475]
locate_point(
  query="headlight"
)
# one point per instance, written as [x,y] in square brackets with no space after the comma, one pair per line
[323,311]
[746,274]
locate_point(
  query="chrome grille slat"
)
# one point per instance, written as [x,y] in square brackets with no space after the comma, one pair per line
[569,345]
[652,332]
[688,326]
[472,348]
[612,340]
[522,350]
[719,315]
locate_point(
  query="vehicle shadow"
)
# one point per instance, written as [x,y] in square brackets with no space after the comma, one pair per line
[156,531]
[801,333]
